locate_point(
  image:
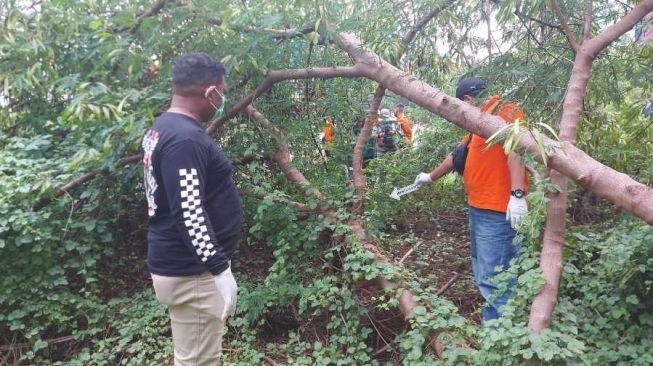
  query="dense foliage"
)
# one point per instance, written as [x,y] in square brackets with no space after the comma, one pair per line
[81,80]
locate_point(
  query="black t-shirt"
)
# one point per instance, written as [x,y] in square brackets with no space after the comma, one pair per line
[193,204]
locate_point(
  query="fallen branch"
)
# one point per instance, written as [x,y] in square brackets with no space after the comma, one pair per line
[13,347]
[448,285]
[302,208]
[83,179]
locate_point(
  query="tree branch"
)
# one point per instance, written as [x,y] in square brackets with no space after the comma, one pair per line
[554,232]
[539,21]
[565,26]
[587,24]
[301,208]
[83,179]
[275,76]
[153,10]
[595,45]
[410,36]
[278,33]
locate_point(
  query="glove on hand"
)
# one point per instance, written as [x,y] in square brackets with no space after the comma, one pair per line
[423,178]
[228,291]
[517,210]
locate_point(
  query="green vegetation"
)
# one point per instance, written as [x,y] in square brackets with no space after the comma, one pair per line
[81,80]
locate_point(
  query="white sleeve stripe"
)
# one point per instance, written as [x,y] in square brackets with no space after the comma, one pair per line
[192,210]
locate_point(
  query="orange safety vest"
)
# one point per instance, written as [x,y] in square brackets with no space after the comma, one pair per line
[329,133]
[406,127]
[487,176]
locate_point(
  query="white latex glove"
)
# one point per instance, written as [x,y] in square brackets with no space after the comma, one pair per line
[423,178]
[228,290]
[517,210]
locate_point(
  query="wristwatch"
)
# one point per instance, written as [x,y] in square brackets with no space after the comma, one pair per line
[518,193]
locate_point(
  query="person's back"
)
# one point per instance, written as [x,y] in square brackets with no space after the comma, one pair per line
[386,139]
[167,253]
[195,213]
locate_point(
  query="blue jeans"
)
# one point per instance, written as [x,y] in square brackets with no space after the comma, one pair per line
[492,247]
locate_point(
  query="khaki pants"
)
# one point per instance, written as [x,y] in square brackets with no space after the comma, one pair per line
[195,307]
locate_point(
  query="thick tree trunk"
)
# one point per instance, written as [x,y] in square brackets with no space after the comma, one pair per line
[554,233]
[358,177]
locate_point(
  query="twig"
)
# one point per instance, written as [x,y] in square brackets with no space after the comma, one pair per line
[12,347]
[447,285]
[270,361]
[409,252]
[565,26]
[381,350]
[377,330]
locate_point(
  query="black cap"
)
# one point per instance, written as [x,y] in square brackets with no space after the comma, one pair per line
[470,86]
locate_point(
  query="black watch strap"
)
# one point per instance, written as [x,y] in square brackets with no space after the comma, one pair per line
[518,193]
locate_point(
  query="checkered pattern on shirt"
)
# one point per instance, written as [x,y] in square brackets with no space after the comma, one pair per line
[194,218]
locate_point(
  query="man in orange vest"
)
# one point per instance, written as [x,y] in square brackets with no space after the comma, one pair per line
[328,136]
[496,186]
[404,123]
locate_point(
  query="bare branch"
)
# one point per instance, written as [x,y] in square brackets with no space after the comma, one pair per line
[12,347]
[275,76]
[565,26]
[282,157]
[554,233]
[539,21]
[277,33]
[410,36]
[587,24]
[358,177]
[83,179]
[595,45]
[153,10]
[302,208]
[448,285]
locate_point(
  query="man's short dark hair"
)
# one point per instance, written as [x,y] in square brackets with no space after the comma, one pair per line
[399,105]
[196,69]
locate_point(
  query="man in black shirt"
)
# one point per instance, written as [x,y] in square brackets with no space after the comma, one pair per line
[195,213]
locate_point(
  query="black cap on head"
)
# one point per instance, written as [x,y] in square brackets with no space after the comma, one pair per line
[470,86]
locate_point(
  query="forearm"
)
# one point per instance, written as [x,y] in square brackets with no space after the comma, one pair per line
[517,171]
[445,167]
